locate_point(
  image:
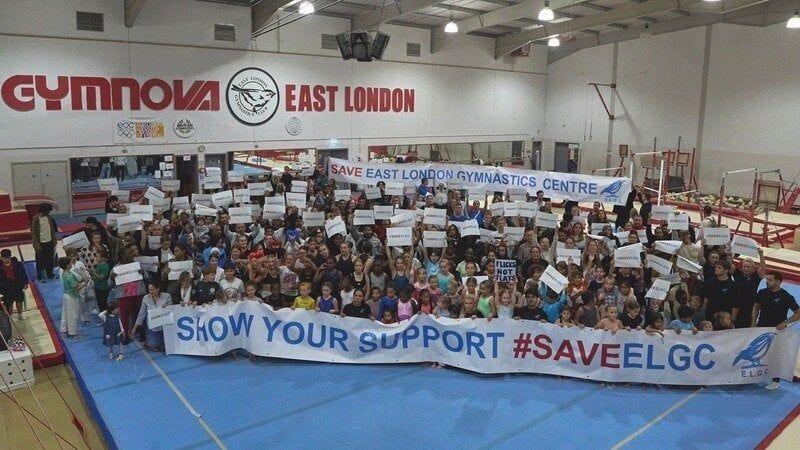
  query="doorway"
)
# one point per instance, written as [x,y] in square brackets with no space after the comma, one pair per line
[566,156]
[43,178]
[186,171]
[536,155]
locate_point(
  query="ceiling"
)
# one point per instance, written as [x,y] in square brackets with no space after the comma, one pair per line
[580,24]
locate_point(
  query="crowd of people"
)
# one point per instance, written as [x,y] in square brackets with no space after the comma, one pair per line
[282,262]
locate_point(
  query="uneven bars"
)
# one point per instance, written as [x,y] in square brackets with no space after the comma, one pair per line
[660,174]
[722,188]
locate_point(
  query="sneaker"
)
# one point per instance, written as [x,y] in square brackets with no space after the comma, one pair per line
[774,384]
[120,357]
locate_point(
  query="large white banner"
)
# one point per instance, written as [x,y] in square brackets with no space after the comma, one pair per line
[500,346]
[570,186]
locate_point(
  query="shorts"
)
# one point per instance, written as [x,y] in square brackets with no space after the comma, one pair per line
[9,300]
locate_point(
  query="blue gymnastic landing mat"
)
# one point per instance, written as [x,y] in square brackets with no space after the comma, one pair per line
[290,404]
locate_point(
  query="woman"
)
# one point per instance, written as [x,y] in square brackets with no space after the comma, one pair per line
[154,299]
[129,295]
[88,255]
[71,304]
[359,279]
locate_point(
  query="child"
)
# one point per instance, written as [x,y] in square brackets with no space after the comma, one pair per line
[326,302]
[388,317]
[374,301]
[388,302]
[231,285]
[566,318]
[406,306]
[706,326]
[656,326]
[608,294]
[576,287]
[485,299]
[609,322]
[433,286]
[588,314]
[274,298]
[206,290]
[699,312]
[684,320]
[441,309]
[357,308]
[112,330]
[631,316]
[71,305]
[304,301]
[722,321]
[425,304]
[250,293]
[347,291]
[102,270]
[13,282]
[505,300]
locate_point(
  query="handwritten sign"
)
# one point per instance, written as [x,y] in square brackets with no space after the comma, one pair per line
[717,236]
[240,214]
[670,247]
[434,239]
[158,317]
[222,199]
[148,263]
[660,265]
[381,212]
[127,224]
[335,226]
[403,218]
[170,185]
[568,255]
[202,210]
[688,265]
[546,220]
[259,189]
[505,270]
[342,195]
[742,245]
[141,212]
[176,268]
[393,188]
[296,199]
[372,192]
[363,217]
[241,196]
[658,290]
[179,203]
[553,279]
[126,273]
[77,240]
[515,234]
[662,212]
[398,236]
[435,216]
[202,199]
[678,222]
[628,256]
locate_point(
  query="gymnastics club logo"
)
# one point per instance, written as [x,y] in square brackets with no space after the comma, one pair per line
[756,351]
[612,190]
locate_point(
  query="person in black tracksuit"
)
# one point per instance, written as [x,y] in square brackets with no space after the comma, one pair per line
[13,282]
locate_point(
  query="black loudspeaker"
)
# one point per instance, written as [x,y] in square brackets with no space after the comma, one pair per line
[361,46]
[379,45]
[345,45]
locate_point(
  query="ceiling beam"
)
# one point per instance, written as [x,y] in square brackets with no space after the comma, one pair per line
[132,8]
[262,12]
[396,11]
[724,6]
[439,39]
[508,44]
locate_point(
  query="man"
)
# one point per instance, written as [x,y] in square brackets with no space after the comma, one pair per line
[747,279]
[771,308]
[13,282]
[43,232]
[720,292]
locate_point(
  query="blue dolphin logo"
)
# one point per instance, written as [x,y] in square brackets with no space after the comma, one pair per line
[613,188]
[756,351]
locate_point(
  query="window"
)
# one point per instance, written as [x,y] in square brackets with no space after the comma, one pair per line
[89,21]
[224,32]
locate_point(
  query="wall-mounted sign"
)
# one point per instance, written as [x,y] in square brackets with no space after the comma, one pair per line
[183,127]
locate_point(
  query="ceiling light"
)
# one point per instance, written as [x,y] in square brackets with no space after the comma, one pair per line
[553,42]
[451,27]
[546,14]
[305,8]
[794,21]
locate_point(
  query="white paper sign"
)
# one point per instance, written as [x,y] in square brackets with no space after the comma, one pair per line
[126,224]
[241,196]
[314,218]
[662,212]
[527,209]
[272,212]
[259,188]
[108,184]
[181,203]
[568,255]
[435,216]
[497,208]
[335,226]
[240,214]
[742,245]
[141,212]
[149,263]
[434,239]
[717,236]
[398,237]
[383,212]
[678,222]
[546,220]
[202,199]
[642,234]
[153,242]
[658,290]
[363,217]
[468,228]
[660,265]
[686,264]
[628,256]
[342,195]
[476,191]
[403,218]
[553,279]
[372,192]
[123,196]
[171,185]
[505,270]
[111,219]
[202,210]
[178,267]
[275,200]
[297,199]
[670,247]
[300,186]
[511,209]
[393,188]
[161,205]
[77,240]
[158,317]
[222,199]
[515,234]
[127,273]
[235,177]
[153,193]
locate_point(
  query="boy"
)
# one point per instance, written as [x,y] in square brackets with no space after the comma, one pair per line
[13,282]
[357,308]
[532,310]
[304,300]
[388,302]
[684,320]
[206,290]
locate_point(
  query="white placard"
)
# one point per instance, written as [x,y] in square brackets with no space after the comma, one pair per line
[686,264]
[372,192]
[403,218]
[127,273]
[153,193]
[241,196]
[434,239]
[161,205]
[111,219]
[670,247]
[662,212]
[435,216]
[660,265]
[202,199]
[275,200]
[393,188]
[342,195]
[153,242]
[642,234]
[272,212]
[123,196]
[240,214]
[515,234]
[628,256]
[476,191]
[497,208]
[222,199]
[181,203]
[202,210]
[77,240]
[527,209]
[363,217]
[622,235]
[597,227]
[489,236]
[505,270]
[141,212]
[658,290]
[568,255]
[126,224]
[158,317]
[398,237]
[742,245]
[314,218]
[259,188]
[553,279]
[468,228]
[108,184]
[717,236]
[511,209]
[300,186]
[171,185]
[235,177]
[678,222]
[149,263]
[296,199]
[383,212]
[178,267]
[455,184]
[335,226]
[168,158]
[547,220]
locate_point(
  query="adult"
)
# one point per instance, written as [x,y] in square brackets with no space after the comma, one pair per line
[771,309]
[43,234]
[720,293]
[13,282]
[154,299]
[748,278]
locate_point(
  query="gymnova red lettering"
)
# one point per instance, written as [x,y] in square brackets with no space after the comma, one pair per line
[20,93]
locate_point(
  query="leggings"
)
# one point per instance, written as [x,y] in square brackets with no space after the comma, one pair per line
[128,310]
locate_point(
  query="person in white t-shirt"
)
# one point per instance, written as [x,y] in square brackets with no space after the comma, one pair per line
[231,285]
